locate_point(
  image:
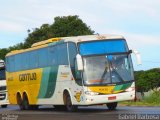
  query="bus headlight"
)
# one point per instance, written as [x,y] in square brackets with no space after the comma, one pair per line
[91,93]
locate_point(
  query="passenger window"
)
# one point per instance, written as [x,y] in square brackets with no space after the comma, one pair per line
[72,53]
[62,54]
[52,55]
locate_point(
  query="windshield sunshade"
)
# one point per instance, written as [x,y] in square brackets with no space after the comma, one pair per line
[102,47]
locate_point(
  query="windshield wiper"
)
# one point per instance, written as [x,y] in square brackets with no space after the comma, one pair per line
[113,70]
[118,75]
[104,73]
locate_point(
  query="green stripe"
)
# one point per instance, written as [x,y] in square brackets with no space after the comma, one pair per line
[44,82]
[118,87]
[48,82]
[52,82]
[122,87]
[125,86]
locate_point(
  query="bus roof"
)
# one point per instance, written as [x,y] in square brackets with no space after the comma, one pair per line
[75,39]
[92,37]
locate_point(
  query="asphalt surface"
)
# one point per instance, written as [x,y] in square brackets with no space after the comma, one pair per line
[12,112]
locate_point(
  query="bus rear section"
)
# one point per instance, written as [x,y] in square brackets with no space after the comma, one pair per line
[3,90]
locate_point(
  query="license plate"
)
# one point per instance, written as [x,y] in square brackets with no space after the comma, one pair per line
[112,98]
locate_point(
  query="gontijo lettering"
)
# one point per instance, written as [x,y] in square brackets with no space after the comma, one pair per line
[27,77]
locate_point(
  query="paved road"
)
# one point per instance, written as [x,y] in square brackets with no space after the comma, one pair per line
[84,113]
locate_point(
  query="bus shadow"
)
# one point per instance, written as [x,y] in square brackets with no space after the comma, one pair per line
[83,110]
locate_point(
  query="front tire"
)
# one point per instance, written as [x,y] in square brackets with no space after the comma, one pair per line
[20,102]
[69,106]
[112,106]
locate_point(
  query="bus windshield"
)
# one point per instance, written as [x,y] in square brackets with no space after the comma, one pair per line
[106,62]
[2,75]
[109,69]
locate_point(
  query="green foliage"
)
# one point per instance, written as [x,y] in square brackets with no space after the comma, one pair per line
[38,34]
[70,26]
[147,80]
[153,98]
[3,53]
[62,27]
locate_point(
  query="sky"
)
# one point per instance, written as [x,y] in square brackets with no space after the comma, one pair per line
[137,20]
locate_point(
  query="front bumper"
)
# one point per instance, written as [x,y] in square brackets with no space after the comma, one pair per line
[103,99]
[4,98]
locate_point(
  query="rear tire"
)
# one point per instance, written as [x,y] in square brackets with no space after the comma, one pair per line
[112,106]
[20,102]
[69,106]
[25,103]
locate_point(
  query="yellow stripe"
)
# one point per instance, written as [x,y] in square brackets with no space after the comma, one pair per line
[102,89]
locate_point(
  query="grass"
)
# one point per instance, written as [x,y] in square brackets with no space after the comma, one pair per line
[151,100]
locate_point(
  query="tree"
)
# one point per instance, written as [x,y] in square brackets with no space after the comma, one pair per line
[70,26]
[62,27]
[3,52]
[153,78]
[147,80]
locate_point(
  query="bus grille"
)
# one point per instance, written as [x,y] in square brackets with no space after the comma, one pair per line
[2,96]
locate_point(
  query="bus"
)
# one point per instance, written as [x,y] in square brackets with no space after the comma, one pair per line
[68,72]
[3,90]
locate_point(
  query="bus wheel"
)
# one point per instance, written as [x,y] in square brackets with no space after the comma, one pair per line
[25,102]
[112,106]
[4,106]
[20,102]
[69,106]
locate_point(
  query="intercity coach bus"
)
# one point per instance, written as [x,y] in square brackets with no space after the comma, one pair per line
[71,71]
[3,90]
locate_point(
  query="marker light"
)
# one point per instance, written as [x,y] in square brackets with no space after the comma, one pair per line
[130,89]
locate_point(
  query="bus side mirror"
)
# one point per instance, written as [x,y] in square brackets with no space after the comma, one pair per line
[138,57]
[79,62]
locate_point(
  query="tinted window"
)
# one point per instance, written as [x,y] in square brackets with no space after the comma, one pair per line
[62,54]
[72,53]
[53,55]
[43,57]
[2,75]
[33,59]
[10,63]
[25,61]
[18,61]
